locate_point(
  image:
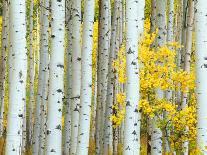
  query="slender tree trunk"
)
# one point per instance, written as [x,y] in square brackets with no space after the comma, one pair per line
[3,60]
[40,115]
[31,78]
[187,58]
[67,139]
[108,131]
[86,76]
[44,71]
[201,65]
[156,137]
[76,73]
[132,122]
[56,79]
[103,58]
[17,91]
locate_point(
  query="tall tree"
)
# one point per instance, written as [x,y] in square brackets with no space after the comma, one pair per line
[44,71]
[108,131]
[3,60]
[17,89]
[31,77]
[103,58]
[42,79]
[86,78]
[56,78]
[132,118]
[156,137]
[76,72]
[201,73]
[67,139]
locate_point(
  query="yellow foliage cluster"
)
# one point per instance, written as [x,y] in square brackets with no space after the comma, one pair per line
[119,107]
[158,71]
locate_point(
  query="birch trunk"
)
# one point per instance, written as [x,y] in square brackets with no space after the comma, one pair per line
[17,89]
[156,137]
[86,76]
[201,73]
[44,71]
[187,58]
[67,139]
[132,122]
[108,130]
[38,138]
[103,56]
[76,73]
[3,59]
[56,79]
[31,78]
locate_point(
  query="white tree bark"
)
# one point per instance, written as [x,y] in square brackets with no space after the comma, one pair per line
[156,137]
[76,72]
[40,125]
[44,71]
[201,73]
[31,78]
[56,79]
[17,89]
[108,130]
[132,122]
[187,58]
[67,139]
[86,78]
[3,60]
[103,56]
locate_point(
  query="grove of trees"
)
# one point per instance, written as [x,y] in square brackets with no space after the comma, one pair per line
[103,77]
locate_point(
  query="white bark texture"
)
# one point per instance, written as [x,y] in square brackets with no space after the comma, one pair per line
[76,72]
[31,78]
[44,71]
[103,58]
[86,78]
[108,130]
[156,135]
[187,58]
[56,79]
[134,24]
[39,124]
[201,73]
[67,138]
[3,60]
[17,89]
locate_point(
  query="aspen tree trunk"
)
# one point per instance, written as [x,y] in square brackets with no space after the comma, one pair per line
[132,122]
[170,28]
[179,32]
[184,29]
[153,29]
[108,131]
[188,45]
[117,85]
[56,79]
[3,59]
[103,56]
[76,73]
[170,39]
[187,60]
[201,73]
[86,76]
[17,90]
[67,139]
[93,122]
[44,71]
[40,125]
[156,137]
[31,78]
